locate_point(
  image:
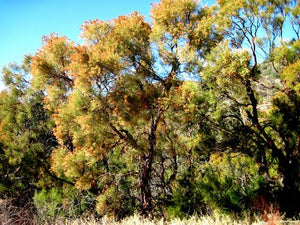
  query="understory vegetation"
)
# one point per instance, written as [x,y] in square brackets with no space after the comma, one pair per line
[193,113]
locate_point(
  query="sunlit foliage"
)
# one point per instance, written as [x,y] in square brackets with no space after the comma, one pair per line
[196,111]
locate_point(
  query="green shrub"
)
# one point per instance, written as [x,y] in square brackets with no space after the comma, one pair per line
[62,202]
[187,198]
[230,182]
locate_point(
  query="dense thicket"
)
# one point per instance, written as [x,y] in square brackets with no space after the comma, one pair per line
[197,111]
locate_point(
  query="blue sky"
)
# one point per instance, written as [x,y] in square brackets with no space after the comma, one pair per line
[24,22]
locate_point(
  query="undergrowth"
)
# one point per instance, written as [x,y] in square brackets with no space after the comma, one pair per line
[26,215]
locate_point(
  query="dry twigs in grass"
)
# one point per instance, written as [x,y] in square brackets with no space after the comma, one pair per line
[15,215]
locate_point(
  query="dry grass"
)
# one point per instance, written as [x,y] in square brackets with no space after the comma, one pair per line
[203,220]
[12,215]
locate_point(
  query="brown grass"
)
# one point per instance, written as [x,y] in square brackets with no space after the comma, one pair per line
[201,220]
[14,215]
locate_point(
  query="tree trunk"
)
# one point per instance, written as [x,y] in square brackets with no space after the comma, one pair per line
[145,177]
[289,197]
[146,169]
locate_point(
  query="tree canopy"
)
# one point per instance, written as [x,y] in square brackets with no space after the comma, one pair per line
[197,110]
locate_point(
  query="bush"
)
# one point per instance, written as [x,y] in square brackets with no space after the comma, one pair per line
[62,202]
[230,182]
[187,197]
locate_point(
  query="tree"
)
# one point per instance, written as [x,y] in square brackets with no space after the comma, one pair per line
[115,95]
[26,136]
[120,119]
[245,110]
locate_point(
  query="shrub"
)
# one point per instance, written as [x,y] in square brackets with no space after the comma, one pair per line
[62,202]
[230,182]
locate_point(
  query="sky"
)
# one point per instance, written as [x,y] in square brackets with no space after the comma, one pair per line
[24,22]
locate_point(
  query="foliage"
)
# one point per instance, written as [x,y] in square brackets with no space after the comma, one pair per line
[61,202]
[231,182]
[198,110]
[26,137]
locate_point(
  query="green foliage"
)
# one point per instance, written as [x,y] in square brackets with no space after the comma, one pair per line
[63,201]
[26,136]
[117,201]
[114,123]
[230,182]
[50,201]
[187,197]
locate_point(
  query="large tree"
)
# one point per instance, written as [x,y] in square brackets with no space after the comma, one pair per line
[250,81]
[113,99]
